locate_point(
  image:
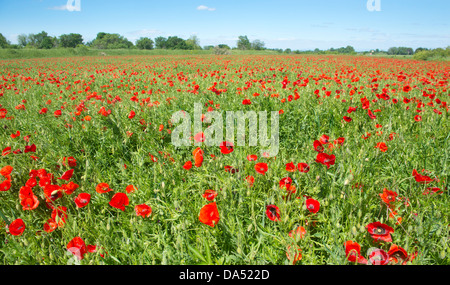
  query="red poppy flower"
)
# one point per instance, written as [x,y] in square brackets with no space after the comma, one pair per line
[44,182]
[30,148]
[246,102]
[130,188]
[347,119]
[6,151]
[353,252]
[303,167]
[50,225]
[285,182]
[132,114]
[351,109]
[380,231]
[119,201]
[324,139]
[326,159]
[318,146]
[5,185]
[77,247]
[378,257]
[102,188]
[198,157]
[92,248]
[266,154]
[391,136]
[209,215]
[17,227]
[67,175]
[407,88]
[231,169]
[365,103]
[25,192]
[187,165]
[31,182]
[200,137]
[59,215]
[433,190]
[261,168]
[291,167]
[209,194]
[294,254]
[6,170]
[397,254]
[29,203]
[143,210]
[340,141]
[250,180]
[153,158]
[371,115]
[70,187]
[312,205]
[423,179]
[297,233]
[252,157]
[82,200]
[52,192]
[382,146]
[273,213]
[388,196]
[226,147]
[71,161]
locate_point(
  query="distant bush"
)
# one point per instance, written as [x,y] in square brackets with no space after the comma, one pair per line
[221,51]
[434,54]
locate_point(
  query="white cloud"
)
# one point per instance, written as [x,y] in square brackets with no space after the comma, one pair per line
[72,5]
[205,8]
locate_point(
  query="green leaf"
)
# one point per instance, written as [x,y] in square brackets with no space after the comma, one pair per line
[196,253]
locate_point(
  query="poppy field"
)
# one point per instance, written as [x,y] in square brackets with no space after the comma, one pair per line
[89,173]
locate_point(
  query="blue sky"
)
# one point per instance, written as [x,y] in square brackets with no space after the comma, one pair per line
[295,24]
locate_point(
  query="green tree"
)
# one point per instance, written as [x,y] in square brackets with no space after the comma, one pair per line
[193,43]
[46,43]
[4,43]
[70,40]
[419,49]
[257,45]
[22,40]
[176,43]
[349,49]
[400,51]
[243,43]
[43,40]
[161,43]
[144,43]
[32,41]
[101,35]
[111,41]
[224,46]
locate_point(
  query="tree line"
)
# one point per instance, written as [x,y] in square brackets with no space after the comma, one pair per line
[115,41]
